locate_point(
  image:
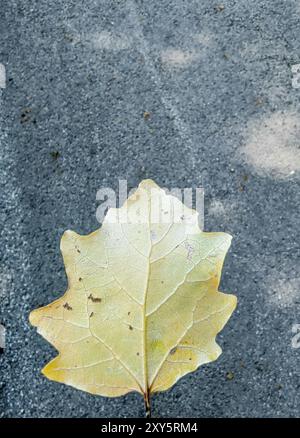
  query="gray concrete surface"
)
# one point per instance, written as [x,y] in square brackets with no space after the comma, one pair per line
[223,114]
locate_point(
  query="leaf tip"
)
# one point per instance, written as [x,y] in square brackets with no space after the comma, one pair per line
[47,371]
[148,184]
[234,302]
[34,318]
[52,371]
[67,240]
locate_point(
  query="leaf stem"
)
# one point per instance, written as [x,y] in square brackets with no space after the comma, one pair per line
[147,404]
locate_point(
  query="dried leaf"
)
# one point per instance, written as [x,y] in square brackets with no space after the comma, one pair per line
[142,308]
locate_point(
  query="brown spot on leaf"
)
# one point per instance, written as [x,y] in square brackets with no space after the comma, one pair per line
[67,306]
[94,299]
[92,314]
[173,350]
[130,327]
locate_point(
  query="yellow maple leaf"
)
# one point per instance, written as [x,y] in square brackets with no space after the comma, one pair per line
[142,307]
